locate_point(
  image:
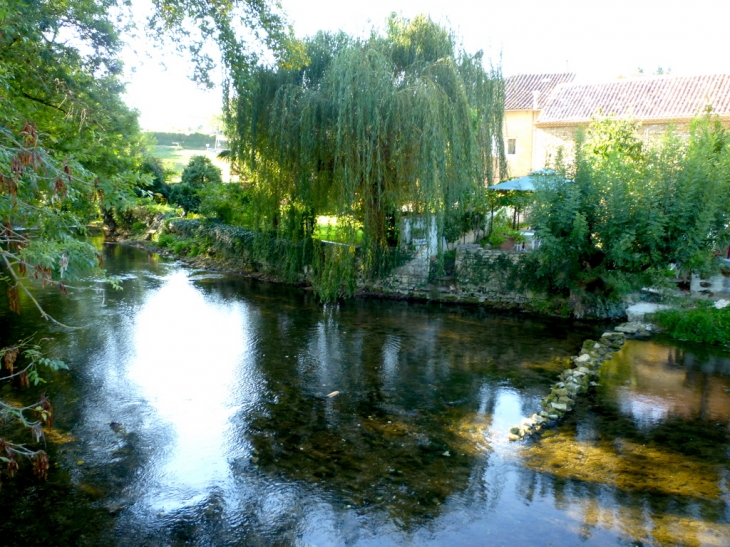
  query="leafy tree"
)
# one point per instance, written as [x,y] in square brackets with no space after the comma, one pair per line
[71,150]
[229,203]
[158,186]
[185,196]
[201,171]
[220,24]
[632,211]
[369,129]
[198,175]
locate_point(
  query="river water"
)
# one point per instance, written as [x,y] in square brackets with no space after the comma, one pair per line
[197,411]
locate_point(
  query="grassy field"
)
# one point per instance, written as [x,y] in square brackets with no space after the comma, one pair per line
[176,158]
[327,230]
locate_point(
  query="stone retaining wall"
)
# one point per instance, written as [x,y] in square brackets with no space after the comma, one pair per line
[717,285]
[481,276]
[490,275]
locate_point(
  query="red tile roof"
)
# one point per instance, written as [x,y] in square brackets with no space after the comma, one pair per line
[656,98]
[519,89]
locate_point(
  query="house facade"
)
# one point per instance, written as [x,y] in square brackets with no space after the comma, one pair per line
[525,97]
[655,102]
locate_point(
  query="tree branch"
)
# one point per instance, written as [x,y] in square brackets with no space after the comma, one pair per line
[45,103]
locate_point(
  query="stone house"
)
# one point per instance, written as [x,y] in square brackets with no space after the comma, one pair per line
[655,102]
[525,97]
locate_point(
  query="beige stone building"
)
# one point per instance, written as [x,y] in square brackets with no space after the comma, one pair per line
[525,97]
[656,102]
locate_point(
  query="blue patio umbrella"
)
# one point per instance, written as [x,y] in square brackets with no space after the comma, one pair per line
[523,184]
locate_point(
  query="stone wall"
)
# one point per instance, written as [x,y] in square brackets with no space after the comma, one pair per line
[488,275]
[481,276]
[715,286]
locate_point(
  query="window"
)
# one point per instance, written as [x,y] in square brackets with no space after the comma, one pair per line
[511,146]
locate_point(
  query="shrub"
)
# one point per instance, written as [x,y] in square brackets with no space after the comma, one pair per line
[199,174]
[631,211]
[703,324]
[229,203]
[201,171]
[185,196]
[159,188]
[501,230]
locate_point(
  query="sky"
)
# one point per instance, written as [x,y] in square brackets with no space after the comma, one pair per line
[595,39]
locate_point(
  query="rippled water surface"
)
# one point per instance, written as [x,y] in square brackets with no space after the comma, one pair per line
[199,410]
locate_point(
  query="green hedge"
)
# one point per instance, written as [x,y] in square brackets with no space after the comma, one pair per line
[189,141]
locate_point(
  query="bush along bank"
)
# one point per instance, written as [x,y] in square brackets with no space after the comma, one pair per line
[573,382]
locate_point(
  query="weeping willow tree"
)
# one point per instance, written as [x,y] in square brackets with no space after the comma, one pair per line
[403,122]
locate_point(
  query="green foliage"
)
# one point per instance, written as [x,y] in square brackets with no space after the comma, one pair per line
[254,250]
[631,211]
[334,270]
[158,187]
[501,230]
[201,171]
[70,148]
[368,129]
[229,203]
[704,324]
[338,229]
[184,196]
[197,176]
[21,364]
[181,246]
[143,214]
[221,23]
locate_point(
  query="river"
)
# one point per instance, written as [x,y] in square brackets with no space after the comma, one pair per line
[215,410]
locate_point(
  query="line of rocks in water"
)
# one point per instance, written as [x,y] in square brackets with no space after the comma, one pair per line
[576,380]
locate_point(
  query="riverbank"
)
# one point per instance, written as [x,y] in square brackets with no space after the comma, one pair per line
[476,276]
[479,277]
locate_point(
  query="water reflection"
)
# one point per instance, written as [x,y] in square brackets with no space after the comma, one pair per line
[200,411]
[648,454]
[187,355]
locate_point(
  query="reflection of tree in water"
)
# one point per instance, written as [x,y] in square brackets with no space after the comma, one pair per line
[661,485]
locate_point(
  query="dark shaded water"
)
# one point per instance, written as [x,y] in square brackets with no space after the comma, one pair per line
[196,412]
